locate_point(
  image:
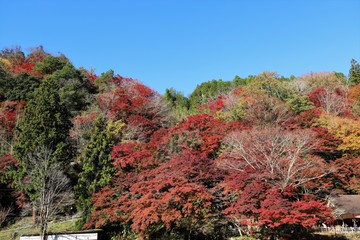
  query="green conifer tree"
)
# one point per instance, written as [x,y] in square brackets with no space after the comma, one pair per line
[354,72]
[97,166]
[46,122]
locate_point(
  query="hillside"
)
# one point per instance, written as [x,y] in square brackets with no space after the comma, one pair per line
[256,155]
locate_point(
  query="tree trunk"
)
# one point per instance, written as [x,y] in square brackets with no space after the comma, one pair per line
[43,231]
[34,217]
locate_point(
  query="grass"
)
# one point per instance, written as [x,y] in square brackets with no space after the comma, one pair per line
[343,235]
[24,226]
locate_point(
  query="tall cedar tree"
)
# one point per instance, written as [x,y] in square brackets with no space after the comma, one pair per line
[45,123]
[354,72]
[97,166]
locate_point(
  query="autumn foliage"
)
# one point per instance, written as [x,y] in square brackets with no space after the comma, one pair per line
[256,156]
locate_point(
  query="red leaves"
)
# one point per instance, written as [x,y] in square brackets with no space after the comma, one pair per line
[314,96]
[128,97]
[214,105]
[267,166]
[7,162]
[168,179]
[157,188]
[139,127]
[347,173]
[153,197]
[310,213]
[180,200]
[132,156]
[326,141]
[331,100]
[26,64]
[200,134]
[260,204]
[9,112]
[282,158]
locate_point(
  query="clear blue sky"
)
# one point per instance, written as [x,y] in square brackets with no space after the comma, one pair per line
[168,43]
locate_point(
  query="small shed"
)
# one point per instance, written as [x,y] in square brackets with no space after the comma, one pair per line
[346,209]
[83,235]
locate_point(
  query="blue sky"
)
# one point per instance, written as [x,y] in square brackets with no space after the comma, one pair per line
[168,43]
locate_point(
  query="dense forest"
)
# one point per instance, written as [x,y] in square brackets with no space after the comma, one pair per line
[258,155]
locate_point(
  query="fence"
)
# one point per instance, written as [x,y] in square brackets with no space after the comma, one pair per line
[339,229]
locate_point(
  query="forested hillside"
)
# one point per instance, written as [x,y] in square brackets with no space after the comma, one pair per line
[258,155]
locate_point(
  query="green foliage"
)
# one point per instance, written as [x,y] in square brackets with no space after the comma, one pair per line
[74,91]
[211,89]
[176,99]
[178,102]
[207,90]
[299,104]
[21,87]
[4,82]
[25,226]
[96,162]
[271,84]
[234,110]
[67,71]
[45,123]
[50,64]
[170,183]
[354,72]
[104,78]
[238,81]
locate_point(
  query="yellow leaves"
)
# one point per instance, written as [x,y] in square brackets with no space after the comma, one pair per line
[348,130]
[6,62]
[233,109]
[115,127]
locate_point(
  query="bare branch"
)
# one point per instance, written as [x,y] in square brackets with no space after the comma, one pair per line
[282,158]
[50,186]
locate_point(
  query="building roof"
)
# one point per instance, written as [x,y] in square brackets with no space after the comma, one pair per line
[345,206]
[70,232]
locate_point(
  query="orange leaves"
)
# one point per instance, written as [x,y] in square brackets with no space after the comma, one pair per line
[344,129]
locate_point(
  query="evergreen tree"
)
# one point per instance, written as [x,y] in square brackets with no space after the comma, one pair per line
[354,72]
[21,87]
[97,166]
[4,79]
[45,123]
[74,91]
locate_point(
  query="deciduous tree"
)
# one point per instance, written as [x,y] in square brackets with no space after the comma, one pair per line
[281,158]
[49,189]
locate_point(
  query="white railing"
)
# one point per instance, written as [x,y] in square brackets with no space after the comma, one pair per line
[339,229]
